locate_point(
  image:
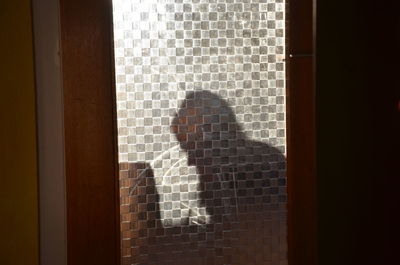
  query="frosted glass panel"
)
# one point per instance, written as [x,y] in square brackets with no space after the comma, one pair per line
[201,131]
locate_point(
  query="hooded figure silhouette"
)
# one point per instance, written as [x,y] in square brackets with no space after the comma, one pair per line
[239,180]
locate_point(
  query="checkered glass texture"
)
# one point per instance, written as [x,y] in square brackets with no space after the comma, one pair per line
[227,205]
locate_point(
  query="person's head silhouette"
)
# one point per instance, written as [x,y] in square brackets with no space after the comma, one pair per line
[204,122]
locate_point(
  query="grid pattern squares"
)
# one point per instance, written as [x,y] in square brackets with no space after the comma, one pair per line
[165,49]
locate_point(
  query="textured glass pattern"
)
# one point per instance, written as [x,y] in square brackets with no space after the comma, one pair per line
[201,131]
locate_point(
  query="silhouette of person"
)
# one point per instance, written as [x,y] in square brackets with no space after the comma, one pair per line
[239,186]
[239,180]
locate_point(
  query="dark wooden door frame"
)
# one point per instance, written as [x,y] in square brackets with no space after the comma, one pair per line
[91,169]
[301,133]
[90,133]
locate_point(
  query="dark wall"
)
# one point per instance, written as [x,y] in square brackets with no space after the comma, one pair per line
[19,229]
[357,96]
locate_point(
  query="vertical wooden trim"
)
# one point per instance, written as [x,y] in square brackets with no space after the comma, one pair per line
[90,151]
[301,160]
[50,126]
